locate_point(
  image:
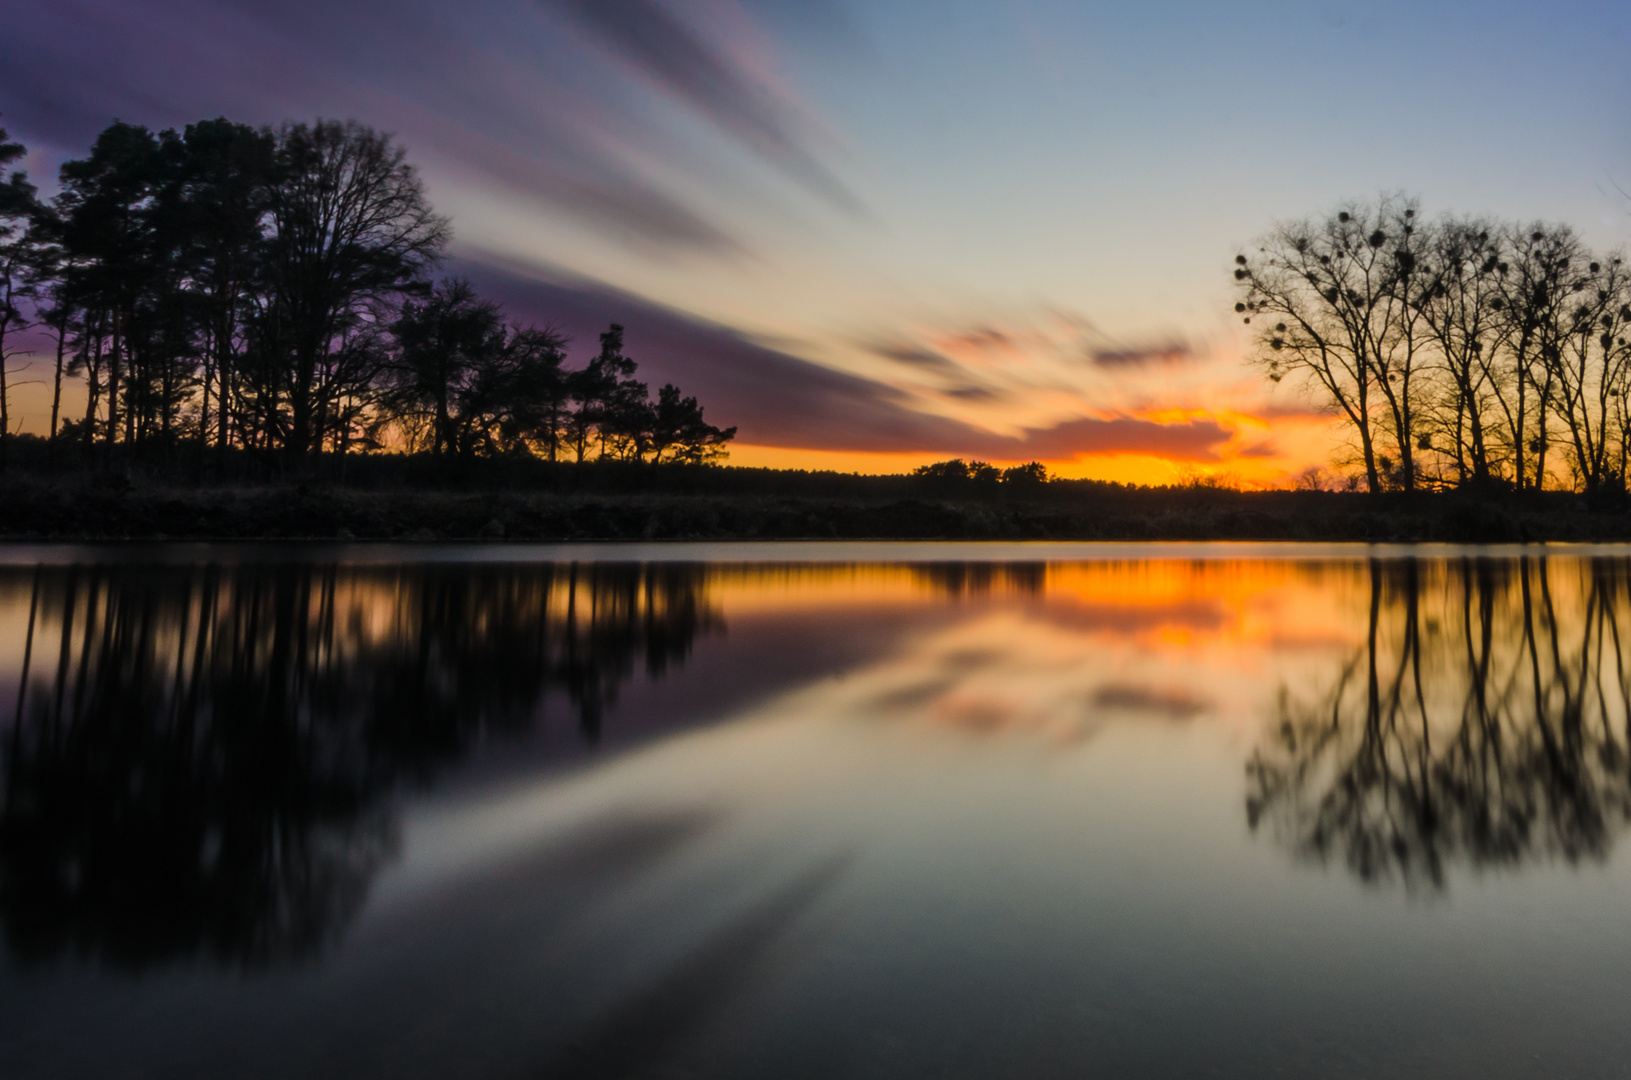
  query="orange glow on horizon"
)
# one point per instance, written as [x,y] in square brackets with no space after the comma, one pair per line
[1261,454]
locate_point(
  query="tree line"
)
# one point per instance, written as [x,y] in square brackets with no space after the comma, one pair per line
[1461,351]
[957,473]
[235,289]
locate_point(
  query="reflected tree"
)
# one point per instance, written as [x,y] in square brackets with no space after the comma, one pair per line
[1483,722]
[201,761]
[958,580]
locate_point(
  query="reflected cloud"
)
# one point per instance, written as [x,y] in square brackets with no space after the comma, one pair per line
[651,1023]
[1056,671]
[622,844]
[1167,704]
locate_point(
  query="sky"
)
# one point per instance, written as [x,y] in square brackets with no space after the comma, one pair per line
[876,235]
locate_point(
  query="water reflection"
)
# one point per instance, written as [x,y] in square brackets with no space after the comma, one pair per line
[1483,720]
[914,817]
[962,579]
[200,758]
[203,760]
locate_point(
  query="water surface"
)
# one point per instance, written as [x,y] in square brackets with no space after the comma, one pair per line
[814,810]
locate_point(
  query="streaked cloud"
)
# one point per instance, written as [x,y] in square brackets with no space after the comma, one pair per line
[493,95]
[974,393]
[916,356]
[659,46]
[1158,702]
[1041,270]
[781,400]
[1165,353]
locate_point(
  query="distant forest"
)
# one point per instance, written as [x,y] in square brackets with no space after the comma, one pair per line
[1460,352]
[269,295]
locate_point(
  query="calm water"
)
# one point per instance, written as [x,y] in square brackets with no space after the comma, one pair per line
[811,811]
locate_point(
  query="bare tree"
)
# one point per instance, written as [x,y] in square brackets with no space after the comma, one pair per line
[1335,301]
[1532,281]
[1459,352]
[1463,256]
[1591,361]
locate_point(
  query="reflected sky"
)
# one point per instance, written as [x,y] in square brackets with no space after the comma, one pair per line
[349,814]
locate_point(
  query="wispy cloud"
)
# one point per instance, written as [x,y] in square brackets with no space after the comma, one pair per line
[492,94]
[658,46]
[1158,702]
[916,356]
[1140,356]
[778,399]
[1190,440]
[974,393]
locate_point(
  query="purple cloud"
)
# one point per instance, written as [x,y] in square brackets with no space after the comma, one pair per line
[659,47]
[777,399]
[1171,352]
[500,89]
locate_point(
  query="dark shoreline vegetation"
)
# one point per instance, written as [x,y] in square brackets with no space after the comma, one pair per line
[395,497]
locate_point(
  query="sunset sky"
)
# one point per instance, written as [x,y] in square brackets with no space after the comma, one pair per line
[874,235]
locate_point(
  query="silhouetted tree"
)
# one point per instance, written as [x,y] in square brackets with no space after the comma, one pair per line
[1462,258]
[679,431]
[1517,332]
[956,475]
[269,291]
[351,232]
[448,347]
[19,266]
[1335,301]
[224,187]
[1592,364]
[606,398]
[952,469]
[104,208]
[529,392]
[1032,474]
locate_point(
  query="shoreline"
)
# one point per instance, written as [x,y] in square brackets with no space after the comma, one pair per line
[32,511]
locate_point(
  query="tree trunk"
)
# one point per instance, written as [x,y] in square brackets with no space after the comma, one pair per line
[56,397]
[5,395]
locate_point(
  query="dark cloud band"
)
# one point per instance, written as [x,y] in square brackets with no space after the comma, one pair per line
[777,399]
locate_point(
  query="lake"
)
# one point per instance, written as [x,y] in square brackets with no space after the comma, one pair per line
[814,810]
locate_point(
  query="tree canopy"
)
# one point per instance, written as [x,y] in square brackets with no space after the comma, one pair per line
[1457,351]
[274,291]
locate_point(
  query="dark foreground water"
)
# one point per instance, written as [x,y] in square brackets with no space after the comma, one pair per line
[814,811]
